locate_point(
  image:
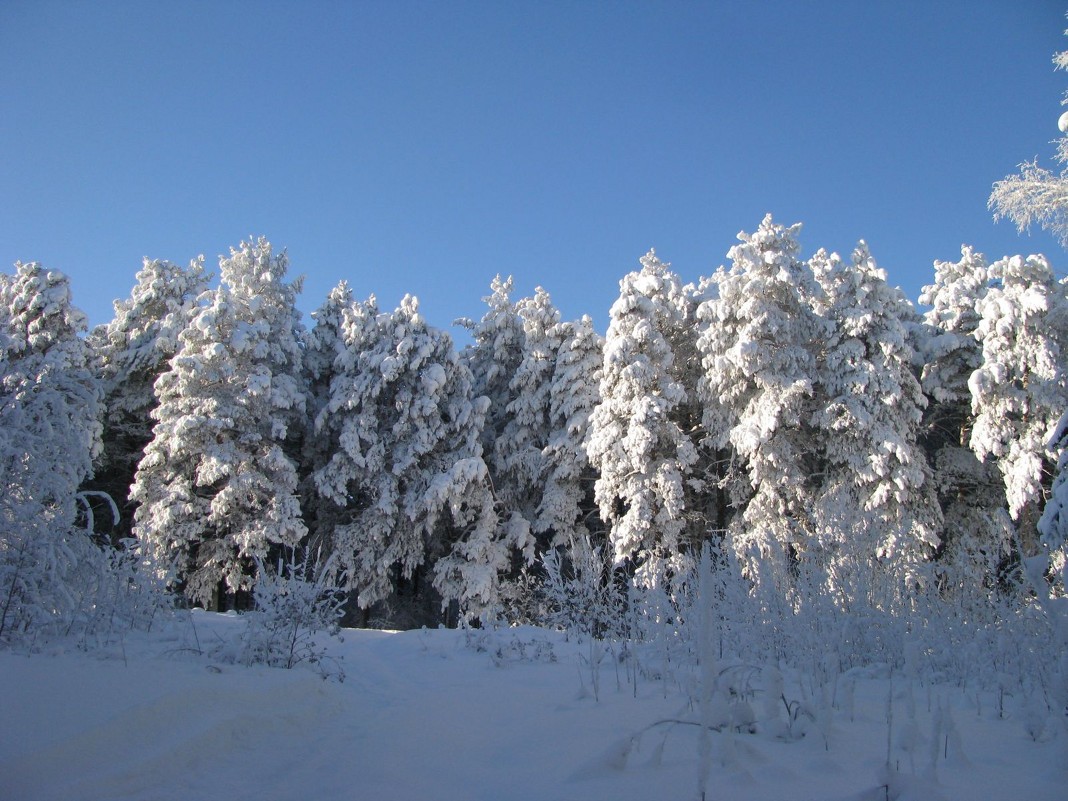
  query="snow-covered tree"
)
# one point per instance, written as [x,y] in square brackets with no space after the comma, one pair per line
[511,361]
[573,395]
[642,435]
[1034,196]
[494,358]
[1053,525]
[324,344]
[325,355]
[49,433]
[408,467]
[952,353]
[217,484]
[1037,196]
[758,349]
[1021,390]
[518,465]
[876,515]
[132,351]
[976,531]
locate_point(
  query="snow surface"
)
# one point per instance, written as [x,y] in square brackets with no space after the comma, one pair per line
[452,715]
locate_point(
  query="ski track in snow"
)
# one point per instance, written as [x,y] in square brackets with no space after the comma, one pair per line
[421,715]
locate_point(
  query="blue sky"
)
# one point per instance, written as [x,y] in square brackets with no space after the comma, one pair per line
[423,147]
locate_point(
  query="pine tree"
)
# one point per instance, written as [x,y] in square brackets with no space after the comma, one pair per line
[977,530]
[518,465]
[1021,390]
[952,353]
[876,516]
[511,362]
[494,358]
[49,433]
[641,437]
[407,469]
[133,350]
[567,498]
[758,351]
[217,485]
[324,345]
[326,356]
[1037,195]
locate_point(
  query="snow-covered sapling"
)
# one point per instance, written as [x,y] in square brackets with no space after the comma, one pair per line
[294,604]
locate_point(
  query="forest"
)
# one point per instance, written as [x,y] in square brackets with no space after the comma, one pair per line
[763,485]
[800,419]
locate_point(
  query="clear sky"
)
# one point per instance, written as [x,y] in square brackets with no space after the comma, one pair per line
[423,147]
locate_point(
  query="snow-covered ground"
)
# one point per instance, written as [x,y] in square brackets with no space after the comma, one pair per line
[451,716]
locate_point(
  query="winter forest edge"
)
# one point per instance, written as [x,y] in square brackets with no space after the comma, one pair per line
[787,452]
[799,418]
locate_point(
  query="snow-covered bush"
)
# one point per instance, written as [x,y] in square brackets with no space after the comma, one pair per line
[580,593]
[124,596]
[295,604]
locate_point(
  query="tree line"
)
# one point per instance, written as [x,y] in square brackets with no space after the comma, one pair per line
[800,416]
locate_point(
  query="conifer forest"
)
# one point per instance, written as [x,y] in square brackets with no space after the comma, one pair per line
[823,446]
[764,481]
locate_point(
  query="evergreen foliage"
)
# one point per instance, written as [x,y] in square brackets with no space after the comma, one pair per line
[876,511]
[759,350]
[49,434]
[641,440]
[133,350]
[566,503]
[836,450]
[976,533]
[406,473]
[1021,389]
[217,484]
[519,466]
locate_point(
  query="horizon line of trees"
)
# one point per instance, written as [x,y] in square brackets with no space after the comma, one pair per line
[799,415]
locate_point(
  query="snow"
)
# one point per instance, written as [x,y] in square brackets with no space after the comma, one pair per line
[457,715]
